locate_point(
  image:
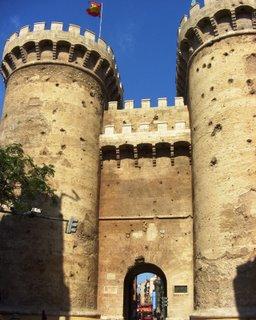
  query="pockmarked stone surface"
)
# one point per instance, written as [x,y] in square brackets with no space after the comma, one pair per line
[58,85]
[124,171]
[217,44]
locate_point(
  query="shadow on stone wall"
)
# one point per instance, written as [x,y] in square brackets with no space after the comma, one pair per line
[31,263]
[245,289]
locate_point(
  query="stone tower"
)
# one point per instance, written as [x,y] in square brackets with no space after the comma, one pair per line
[57,86]
[216,75]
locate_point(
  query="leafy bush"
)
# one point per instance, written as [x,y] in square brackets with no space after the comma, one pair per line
[21,180]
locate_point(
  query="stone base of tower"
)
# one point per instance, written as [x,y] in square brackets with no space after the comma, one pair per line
[222,314]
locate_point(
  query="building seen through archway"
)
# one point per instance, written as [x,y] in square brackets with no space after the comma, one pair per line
[144,293]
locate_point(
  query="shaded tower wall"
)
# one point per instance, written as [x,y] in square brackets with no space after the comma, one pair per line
[145,202]
[57,85]
[217,47]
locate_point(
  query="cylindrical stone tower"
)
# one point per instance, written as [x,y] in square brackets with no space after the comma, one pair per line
[57,86]
[216,73]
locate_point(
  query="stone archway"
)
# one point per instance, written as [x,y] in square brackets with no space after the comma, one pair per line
[138,268]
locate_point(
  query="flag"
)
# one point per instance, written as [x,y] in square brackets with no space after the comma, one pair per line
[94,9]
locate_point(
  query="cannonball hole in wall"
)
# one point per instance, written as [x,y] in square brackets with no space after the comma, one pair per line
[213,161]
[249,82]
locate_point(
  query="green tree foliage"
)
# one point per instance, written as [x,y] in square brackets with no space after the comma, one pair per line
[21,180]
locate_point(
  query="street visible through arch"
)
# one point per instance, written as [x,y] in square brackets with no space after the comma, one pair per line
[145,289]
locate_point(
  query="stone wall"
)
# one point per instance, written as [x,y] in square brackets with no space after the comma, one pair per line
[145,202]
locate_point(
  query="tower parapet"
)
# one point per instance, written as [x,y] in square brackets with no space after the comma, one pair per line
[218,19]
[55,45]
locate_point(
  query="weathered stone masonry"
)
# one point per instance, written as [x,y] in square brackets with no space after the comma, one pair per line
[58,84]
[216,75]
[125,172]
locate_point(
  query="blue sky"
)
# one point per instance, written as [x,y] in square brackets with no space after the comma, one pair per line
[142,33]
[143,277]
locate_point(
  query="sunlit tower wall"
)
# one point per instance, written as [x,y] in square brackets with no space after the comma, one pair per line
[58,83]
[216,69]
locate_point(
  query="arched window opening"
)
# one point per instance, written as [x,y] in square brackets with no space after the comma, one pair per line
[181,149]
[63,48]
[223,19]
[244,17]
[126,151]
[163,149]
[93,59]
[108,153]
[46,49]
[103,68]
[30,49]
[5,71]
[145,289]
[145,150]
[79,53]
[206,27]
[192,38]
[9,61]
[17,53]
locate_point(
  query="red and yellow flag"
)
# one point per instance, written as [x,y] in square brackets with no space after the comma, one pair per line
[94,9]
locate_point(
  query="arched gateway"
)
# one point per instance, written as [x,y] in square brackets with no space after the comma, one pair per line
[130,304]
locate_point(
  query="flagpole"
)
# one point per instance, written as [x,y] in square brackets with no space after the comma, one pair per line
[101,16]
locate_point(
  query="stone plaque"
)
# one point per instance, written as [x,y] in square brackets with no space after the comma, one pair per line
[111,276]
[110,289]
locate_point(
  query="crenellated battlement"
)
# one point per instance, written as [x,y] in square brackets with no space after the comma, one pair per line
[217,19]
[39,44]
[146,127]
[162,103]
